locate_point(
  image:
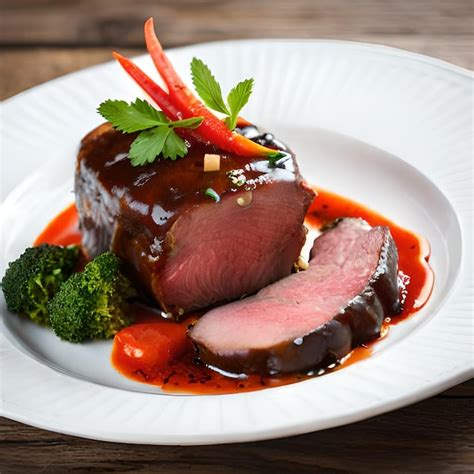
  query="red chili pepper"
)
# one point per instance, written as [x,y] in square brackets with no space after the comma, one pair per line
[149,86]
[241,122]
[212,129]
[156,93]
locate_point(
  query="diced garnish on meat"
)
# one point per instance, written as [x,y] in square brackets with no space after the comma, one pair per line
[187,246]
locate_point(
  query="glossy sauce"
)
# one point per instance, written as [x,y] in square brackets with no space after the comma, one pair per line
[413,250]
[136,211]
[182,185]
[135,356]
[172,366]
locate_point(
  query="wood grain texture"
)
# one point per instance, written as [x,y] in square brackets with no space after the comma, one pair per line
[43,39]
[43,64]
[28,67]
[430,437]
[120,22]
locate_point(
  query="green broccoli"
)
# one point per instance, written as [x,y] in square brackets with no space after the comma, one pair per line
[33,279]
[92,304]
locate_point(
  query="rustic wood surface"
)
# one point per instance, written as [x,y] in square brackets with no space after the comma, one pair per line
[43,39]
[433,436]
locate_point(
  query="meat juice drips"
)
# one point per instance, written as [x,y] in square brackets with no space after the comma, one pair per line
[157,351]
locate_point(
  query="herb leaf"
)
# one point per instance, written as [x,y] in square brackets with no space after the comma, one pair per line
[192,122]
[237,99]
[274,158]
[148,145]
[207,87]
[174,146]
[212,194]
[157,135]
[129,118]
[211,94]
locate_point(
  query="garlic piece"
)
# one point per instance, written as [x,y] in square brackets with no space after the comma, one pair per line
[302,263]
[212,162]
[245,199]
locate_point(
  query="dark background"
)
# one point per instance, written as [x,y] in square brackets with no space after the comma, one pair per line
[42,39]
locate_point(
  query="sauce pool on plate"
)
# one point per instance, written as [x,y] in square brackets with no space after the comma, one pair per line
[157,351]
[413,250]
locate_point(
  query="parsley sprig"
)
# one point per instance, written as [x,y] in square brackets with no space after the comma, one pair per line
[210,92]
[157,137]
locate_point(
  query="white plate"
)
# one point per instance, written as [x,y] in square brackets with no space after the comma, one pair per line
[388,128]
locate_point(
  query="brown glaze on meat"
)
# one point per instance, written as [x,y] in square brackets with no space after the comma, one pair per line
[185,249]
[312,318]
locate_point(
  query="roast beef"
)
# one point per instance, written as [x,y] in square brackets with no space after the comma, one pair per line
[187,250]
[311,318]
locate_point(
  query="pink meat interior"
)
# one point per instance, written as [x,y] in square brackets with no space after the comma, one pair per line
[225,249]
[342,262]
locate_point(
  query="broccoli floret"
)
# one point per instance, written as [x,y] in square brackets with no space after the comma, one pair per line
[92,304]
[33,279]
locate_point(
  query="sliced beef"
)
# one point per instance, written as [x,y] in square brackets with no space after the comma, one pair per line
[187,250]
[313,317]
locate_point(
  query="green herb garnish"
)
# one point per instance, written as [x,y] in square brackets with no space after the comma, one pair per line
[157,135]
[276,157]
[212,194]
[211,94]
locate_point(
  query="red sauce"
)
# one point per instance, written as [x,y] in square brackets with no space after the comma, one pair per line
[156,351]
[413,249]
[62,230]
[136,356]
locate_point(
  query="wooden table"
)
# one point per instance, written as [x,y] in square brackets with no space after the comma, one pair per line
[42,39]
